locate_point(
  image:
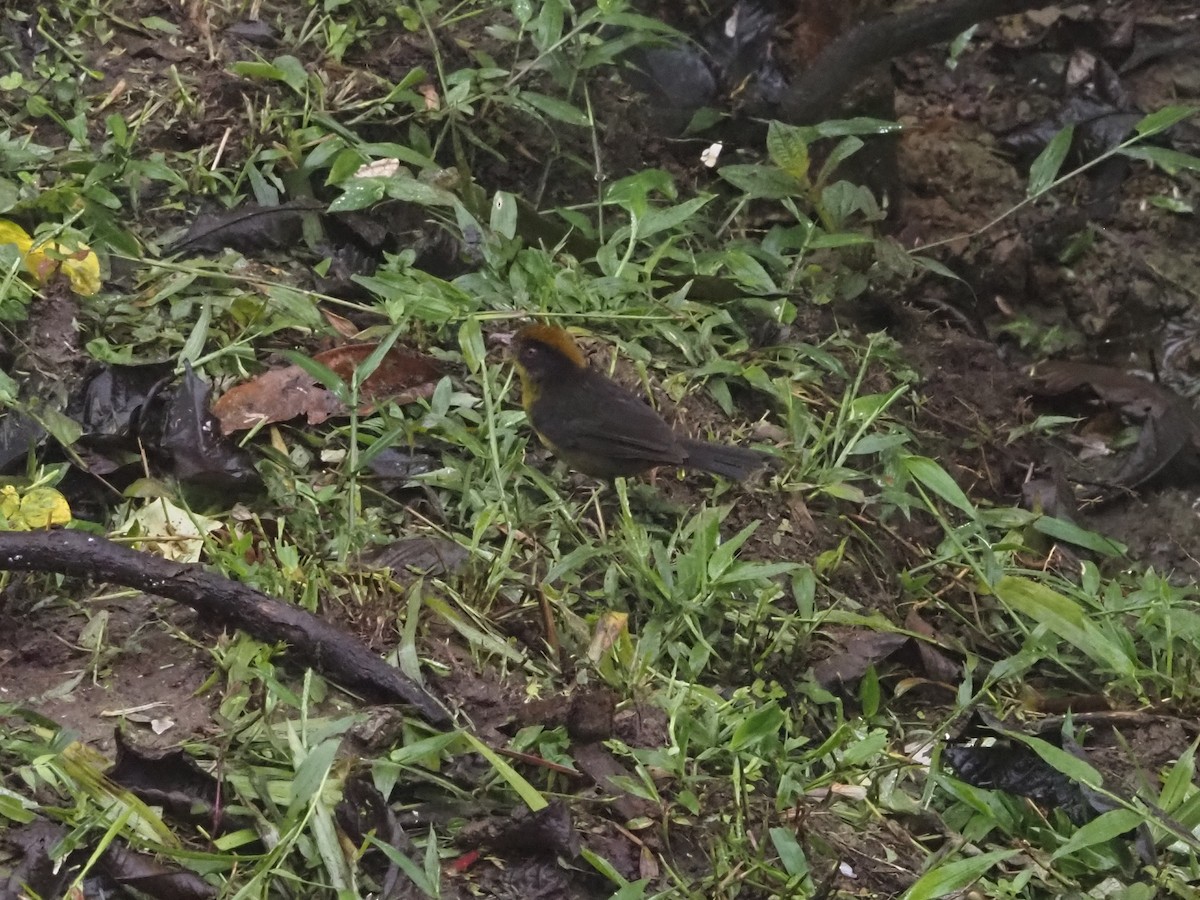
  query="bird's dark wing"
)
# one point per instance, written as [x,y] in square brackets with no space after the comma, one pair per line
[604,419]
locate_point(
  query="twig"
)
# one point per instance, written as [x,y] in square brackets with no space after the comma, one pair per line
[326,648]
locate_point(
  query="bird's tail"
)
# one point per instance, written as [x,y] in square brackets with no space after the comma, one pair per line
[735,463]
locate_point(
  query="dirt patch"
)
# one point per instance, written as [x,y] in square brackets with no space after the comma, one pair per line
[143,677]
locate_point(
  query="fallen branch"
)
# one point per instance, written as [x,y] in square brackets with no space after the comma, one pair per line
[327,649]
[842,64]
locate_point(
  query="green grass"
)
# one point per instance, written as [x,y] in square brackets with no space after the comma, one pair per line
[706,604]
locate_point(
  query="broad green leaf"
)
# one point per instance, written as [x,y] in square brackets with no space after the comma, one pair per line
[1064,617]
[760,182]
[504,215]
[1062,530]
[936,479]
[1162,119]
[656,220]
[555,108]
[788,149]
[1046,167]
[761,724]
[1061,760]
[951,877]
[526,791]
[1171,161]
[791,854]
[358,193]
[1178,785]
[312,772]
[404,187]
[1101,829]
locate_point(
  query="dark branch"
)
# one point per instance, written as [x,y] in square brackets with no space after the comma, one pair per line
[813,96]
[327,649]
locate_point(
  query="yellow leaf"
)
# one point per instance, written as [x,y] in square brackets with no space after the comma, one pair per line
[12,233]
[80,265]
[609,629]
[44,507]
[10,502]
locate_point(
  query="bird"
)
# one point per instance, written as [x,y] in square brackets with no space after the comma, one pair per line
[600,428]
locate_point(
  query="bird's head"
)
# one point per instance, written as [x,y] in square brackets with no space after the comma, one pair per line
[544,353]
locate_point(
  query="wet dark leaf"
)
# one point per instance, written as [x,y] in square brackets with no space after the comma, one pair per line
[145,874]
[590,717]
[167,778]
[1098,126]
[861,650]
[19,435]
[548,832]
[191,445]
[113,400]
[254,31]
[247,228]
[1169,444]
[938,664]
[1018,770]
[35,870]
[595,761]
[418,556]
[397,468]
[1136,397]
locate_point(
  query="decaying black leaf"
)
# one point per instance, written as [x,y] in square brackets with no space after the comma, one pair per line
[247,228]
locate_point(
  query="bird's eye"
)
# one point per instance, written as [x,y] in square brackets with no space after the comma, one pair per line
[529,352]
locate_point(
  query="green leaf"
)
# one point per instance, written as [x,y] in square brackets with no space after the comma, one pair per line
[358,193]
[1162,119]
[1045,168]
[845,148]
[763,723]
[312,772]
[15,808]
[857,125]
[526,791]
[1059,759]
[954,876]
[414,872]
[1177,786]
[760,182]
[634,890]
[1064,617]
[405,187]
[788,149]
[656,220]
[1170,161]
[935,266]
[504,214]
[320,373]
[1062,530]
[936,479]
[471,343]
[1111,824]
[555,108]
[194,345]
[791,854]
[839,239]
